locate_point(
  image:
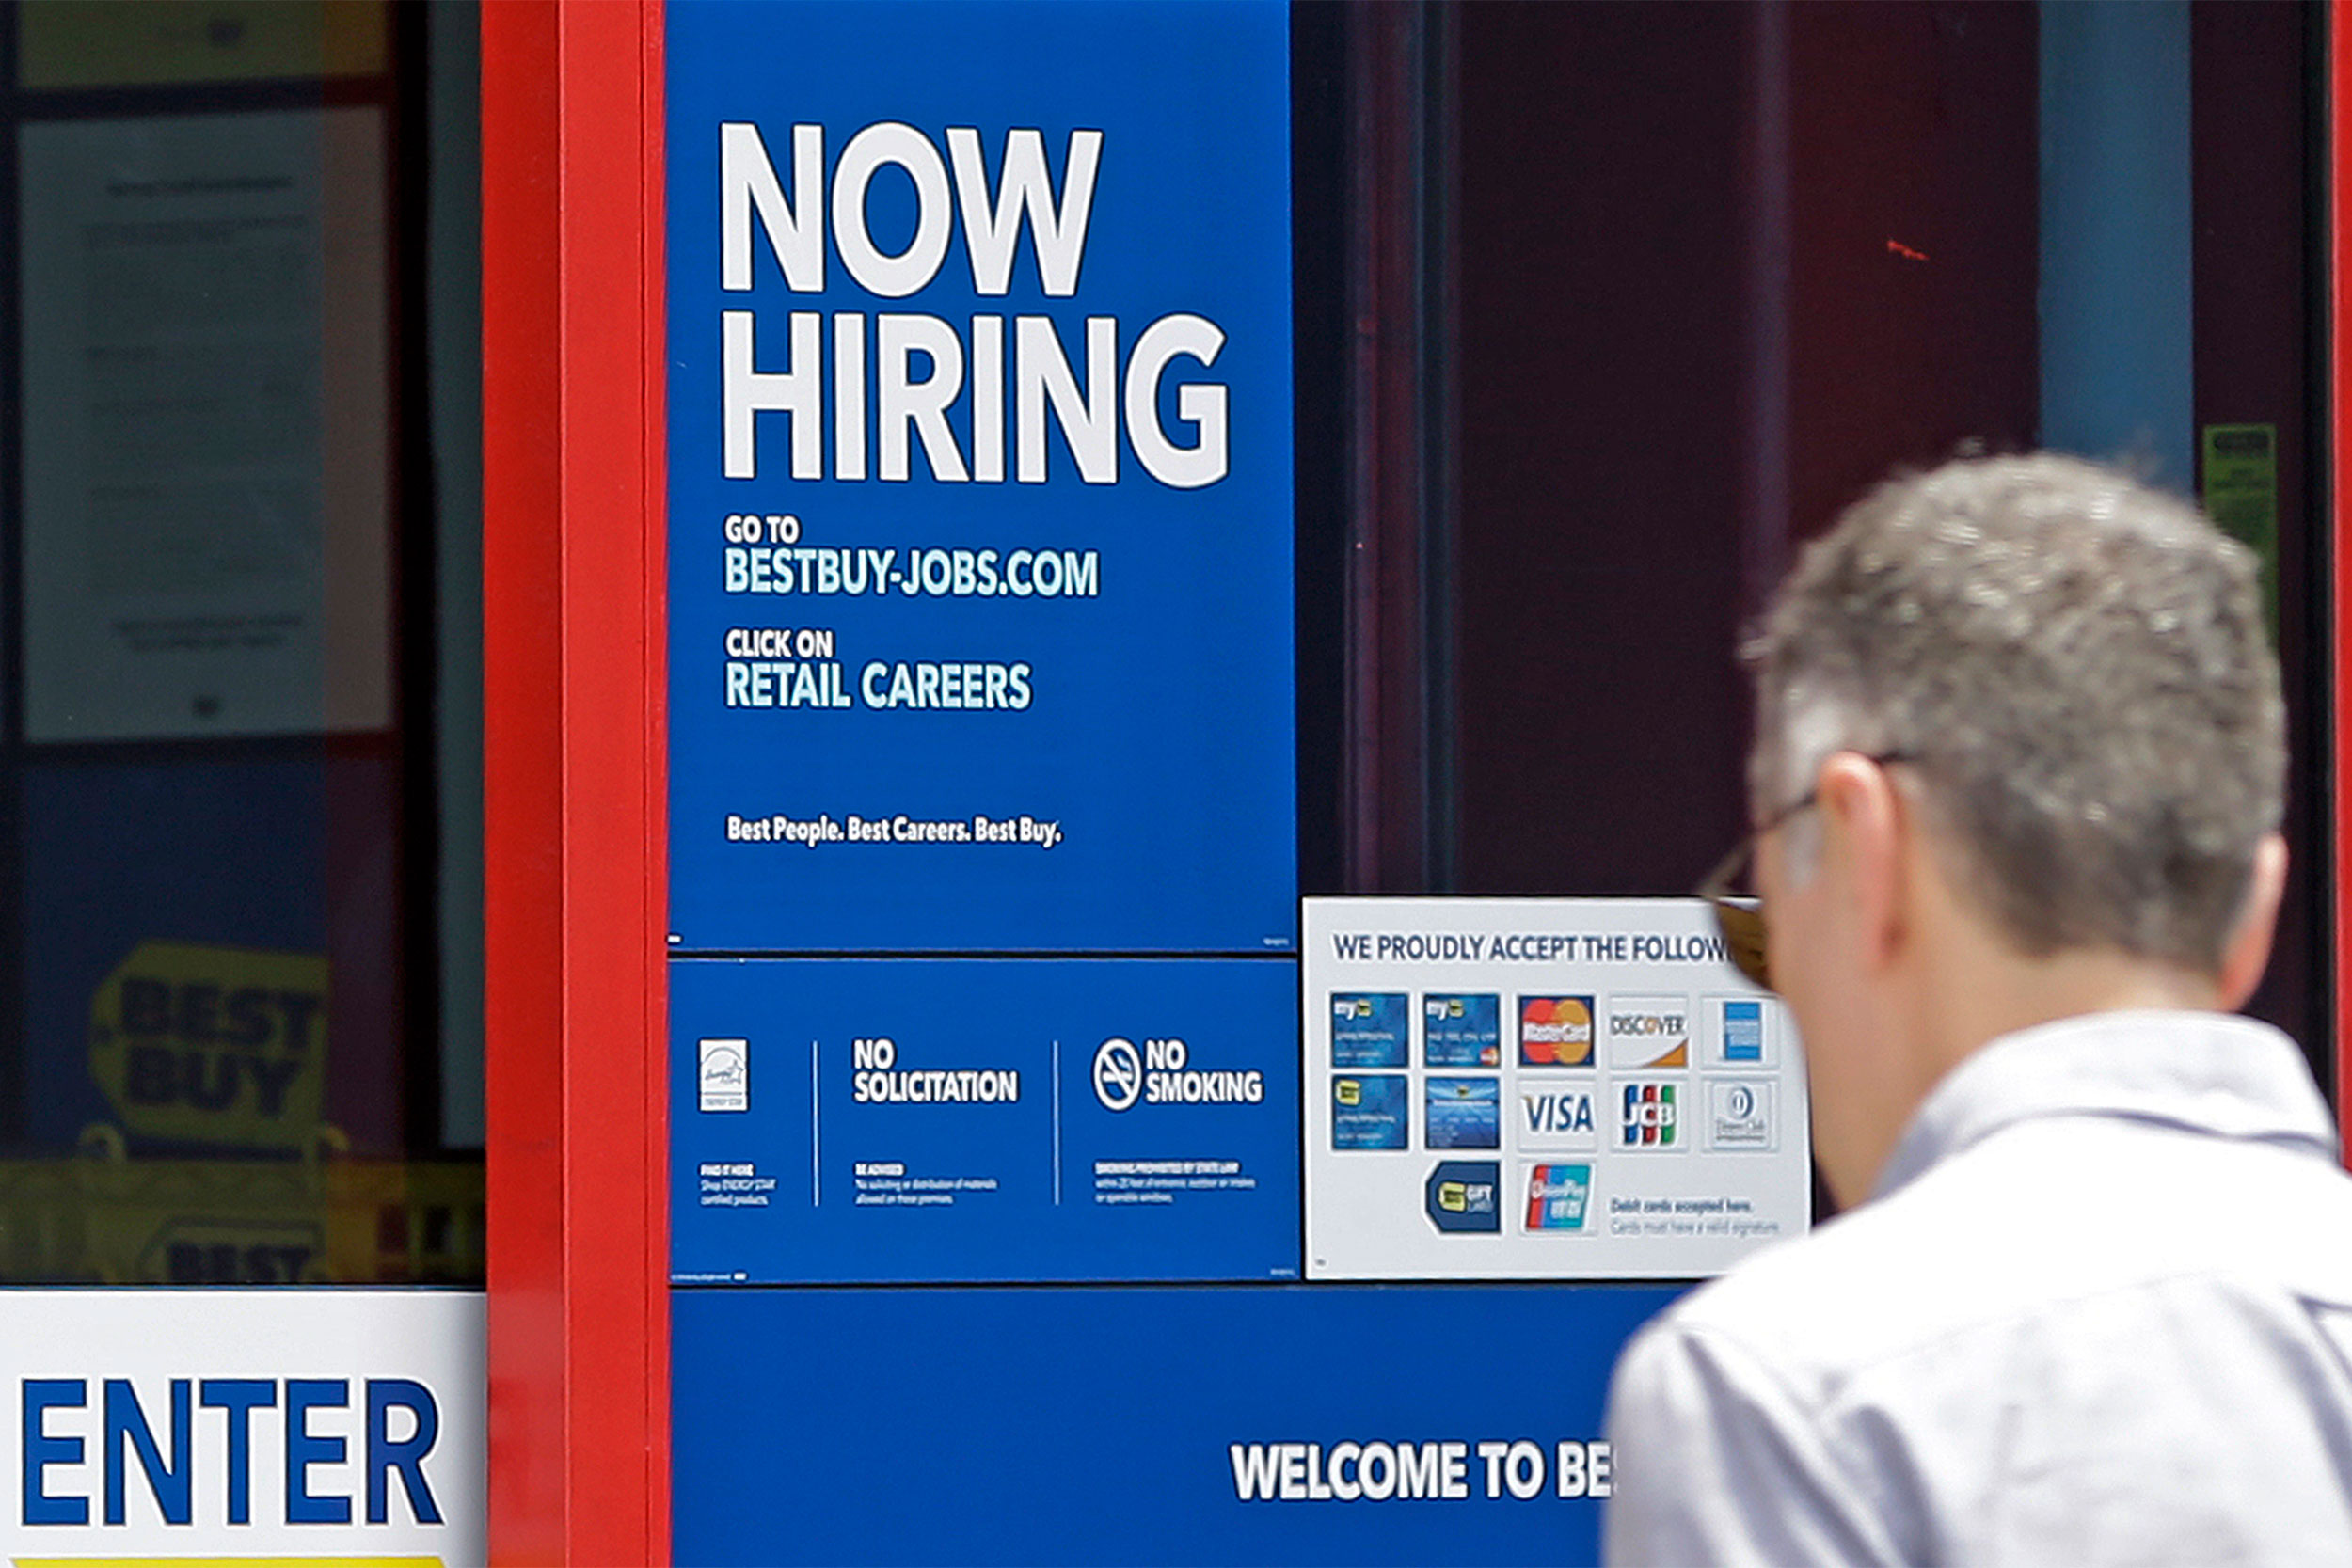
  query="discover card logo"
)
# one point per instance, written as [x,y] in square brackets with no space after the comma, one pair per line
[1649,1031]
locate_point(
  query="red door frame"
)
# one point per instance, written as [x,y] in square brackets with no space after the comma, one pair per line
[576,857]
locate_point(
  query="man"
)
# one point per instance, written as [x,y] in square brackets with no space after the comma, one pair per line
[2017,788]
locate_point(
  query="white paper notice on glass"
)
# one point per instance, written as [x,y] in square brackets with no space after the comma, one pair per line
[1542,1088]
[206,426]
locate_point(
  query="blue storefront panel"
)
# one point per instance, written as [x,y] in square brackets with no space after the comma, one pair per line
[1213,1424]
[980,495]
[901,1120]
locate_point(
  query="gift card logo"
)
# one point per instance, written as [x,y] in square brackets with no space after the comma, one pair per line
[1462,1197]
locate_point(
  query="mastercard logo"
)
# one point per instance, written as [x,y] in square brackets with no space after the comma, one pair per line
[1555,1031]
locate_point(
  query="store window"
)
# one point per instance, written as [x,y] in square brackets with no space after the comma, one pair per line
[240,920]
[1604,310]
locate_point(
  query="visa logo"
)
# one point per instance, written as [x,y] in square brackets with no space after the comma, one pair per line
[1558,1111]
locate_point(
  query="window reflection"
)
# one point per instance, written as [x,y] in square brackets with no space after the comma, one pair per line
[244,813]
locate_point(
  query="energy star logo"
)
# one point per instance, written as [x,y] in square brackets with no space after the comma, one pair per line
[723,1075]
[1651,1116]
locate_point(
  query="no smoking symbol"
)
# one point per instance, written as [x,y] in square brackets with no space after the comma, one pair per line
[1118,1074]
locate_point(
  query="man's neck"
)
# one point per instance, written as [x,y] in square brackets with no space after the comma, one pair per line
[1962,985]
[1991,991]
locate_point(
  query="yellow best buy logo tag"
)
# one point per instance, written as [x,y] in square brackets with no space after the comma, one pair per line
[224,1046]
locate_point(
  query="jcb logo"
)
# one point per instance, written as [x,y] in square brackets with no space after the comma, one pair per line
[1650,1119]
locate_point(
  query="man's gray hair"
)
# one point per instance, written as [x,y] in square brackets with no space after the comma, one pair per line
[2075,666]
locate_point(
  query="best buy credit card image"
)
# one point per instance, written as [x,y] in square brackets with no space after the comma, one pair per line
[1369,1111]
[1460,1030]
[1464,1113]
[1371,1029]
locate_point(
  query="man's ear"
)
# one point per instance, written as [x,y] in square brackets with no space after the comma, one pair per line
[2249,950]
[1866,831]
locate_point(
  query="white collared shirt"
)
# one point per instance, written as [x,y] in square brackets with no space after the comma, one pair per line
[2098,1311]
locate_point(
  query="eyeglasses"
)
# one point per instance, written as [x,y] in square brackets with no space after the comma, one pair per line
[1740,916]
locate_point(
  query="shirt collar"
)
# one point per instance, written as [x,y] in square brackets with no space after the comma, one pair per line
[2201,1072]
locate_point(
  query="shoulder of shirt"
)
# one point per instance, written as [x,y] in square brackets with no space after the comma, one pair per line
[2004,1232]
[1813,1303]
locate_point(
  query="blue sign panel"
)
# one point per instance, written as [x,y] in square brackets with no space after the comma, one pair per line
[903,1120]
[1298,1424]
[981,479]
